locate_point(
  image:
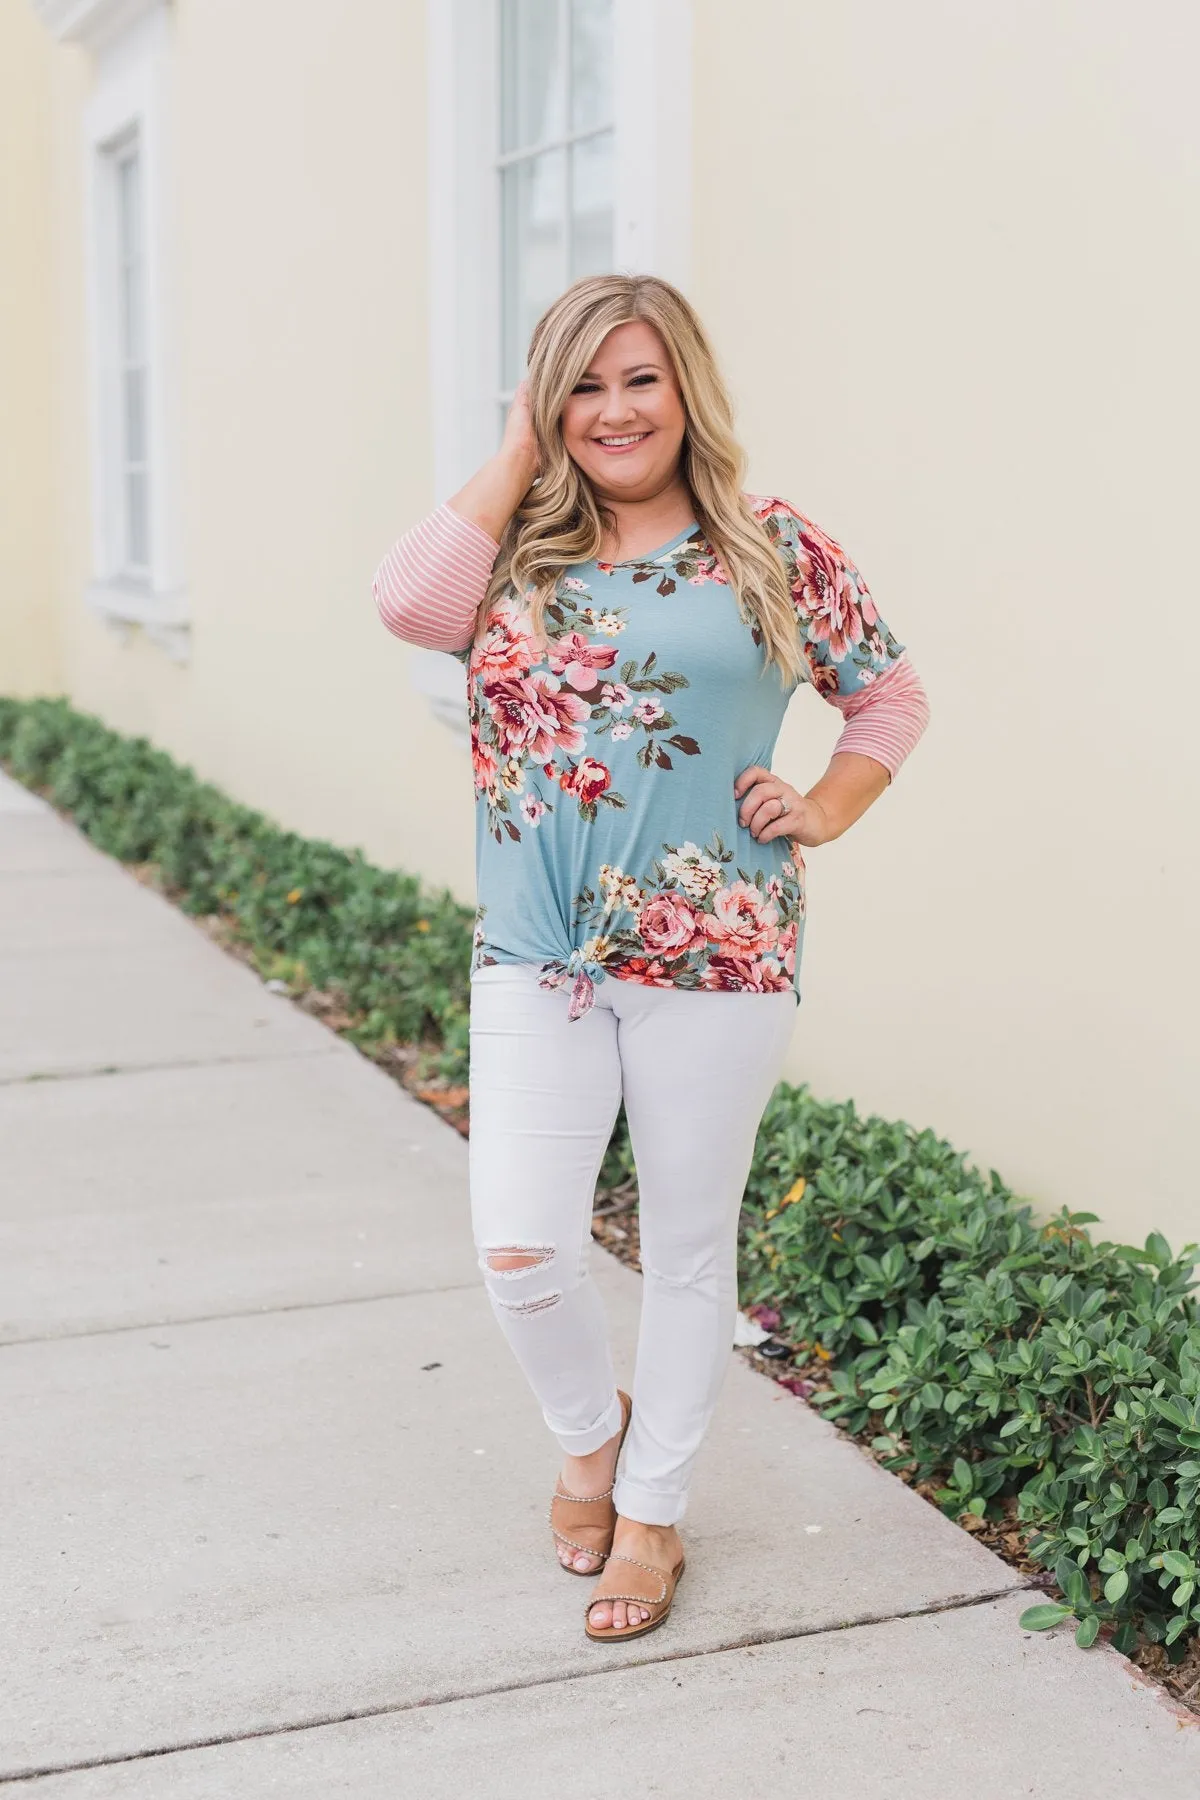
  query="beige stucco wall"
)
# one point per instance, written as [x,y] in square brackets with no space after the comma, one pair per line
[949,257]
[950,254]
[29,660]
[300,153]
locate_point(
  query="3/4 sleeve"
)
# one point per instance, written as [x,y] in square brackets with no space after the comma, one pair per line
[856,663]
[429,586]
[887,718]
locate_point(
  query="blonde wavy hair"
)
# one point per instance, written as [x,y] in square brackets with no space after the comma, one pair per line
[559,521]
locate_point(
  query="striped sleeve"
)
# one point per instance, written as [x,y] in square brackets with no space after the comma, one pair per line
[886,718]
[429,586]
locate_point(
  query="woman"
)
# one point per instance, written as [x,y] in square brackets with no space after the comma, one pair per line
[633,626]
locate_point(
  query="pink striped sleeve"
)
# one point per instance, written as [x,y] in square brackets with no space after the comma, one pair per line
[429,585]
[885,718]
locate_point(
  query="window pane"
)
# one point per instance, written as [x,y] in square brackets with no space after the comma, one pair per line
[534,251]
[532,102]
[591,63]
[129,205]
[137,522]
[592,206]
[133,383]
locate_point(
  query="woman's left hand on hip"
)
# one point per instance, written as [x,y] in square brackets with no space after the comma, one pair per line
[772,808]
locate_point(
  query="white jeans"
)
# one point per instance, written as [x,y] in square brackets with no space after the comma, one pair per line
[695,1069]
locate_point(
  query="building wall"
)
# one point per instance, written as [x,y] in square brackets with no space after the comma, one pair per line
[306,431]
[950,256]
[29,661]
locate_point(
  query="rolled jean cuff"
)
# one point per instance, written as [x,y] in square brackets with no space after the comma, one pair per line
[582,1443]
[647,1505]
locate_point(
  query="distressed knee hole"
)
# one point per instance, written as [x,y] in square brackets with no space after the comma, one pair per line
[514,1259]
[535,1303]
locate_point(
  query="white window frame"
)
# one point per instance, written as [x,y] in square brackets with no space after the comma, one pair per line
[130,41]
[652,197]
[651,220]
[529,151]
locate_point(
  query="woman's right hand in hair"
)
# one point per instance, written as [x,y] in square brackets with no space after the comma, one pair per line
[520,440]
[493,494]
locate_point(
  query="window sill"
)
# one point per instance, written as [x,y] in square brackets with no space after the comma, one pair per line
[164,617]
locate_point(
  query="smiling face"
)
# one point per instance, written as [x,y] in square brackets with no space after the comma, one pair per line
[624,422]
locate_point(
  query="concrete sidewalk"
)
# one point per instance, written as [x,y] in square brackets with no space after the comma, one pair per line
[275,1492]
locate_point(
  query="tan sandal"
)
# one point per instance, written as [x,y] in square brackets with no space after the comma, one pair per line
[565,1508]
[657,1596]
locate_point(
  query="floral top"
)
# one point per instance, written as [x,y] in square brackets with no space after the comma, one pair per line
[608,841]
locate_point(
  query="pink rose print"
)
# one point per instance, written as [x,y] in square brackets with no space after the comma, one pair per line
[738,972]
[532,809]
[650,974]
[507,646]
[622,729]
[647,711]
[708,568]
[587,780]
[534,715]
[824,589]
[615,695]
[785,949]
[483,761]
[577,660]
[741,921]
[668,925]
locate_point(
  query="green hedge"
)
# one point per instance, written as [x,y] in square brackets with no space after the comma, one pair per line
[1012,1364]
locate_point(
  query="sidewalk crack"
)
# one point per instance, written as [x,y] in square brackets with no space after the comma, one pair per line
[248,1312]
[955,1603]
[152,1068]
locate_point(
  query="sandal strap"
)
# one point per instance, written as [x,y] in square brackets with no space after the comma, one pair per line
[586,1549]
[582,1499]
[639,1599]
[630,1599]
[604,1524]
